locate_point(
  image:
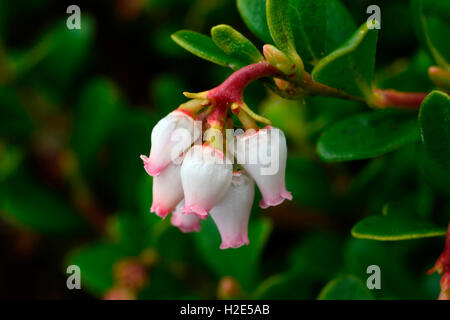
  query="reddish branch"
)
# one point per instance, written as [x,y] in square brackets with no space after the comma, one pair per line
[393,98]
[232,88]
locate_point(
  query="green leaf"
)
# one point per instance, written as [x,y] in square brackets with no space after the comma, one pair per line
[340,25]
[433,173]
[95,116]
[280,28]
[235,45]
[350,68]
[309,26]
[96,262]
[433,27]
[241,263]
[368,135]
[392,228]
[319,27]
[43,211]
[346,287]
[253,12]
[205,48]
[434,119]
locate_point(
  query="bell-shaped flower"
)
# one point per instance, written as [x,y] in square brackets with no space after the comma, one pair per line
[167,189]
[171,136]
[206,177]
[185,222]
[231,215]
[263,154]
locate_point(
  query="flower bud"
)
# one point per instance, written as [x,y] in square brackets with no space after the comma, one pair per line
[231,215]
[185,222]
[278,59]
[263,154]
[130,273]
[205,176]
[171,136]
[167,190]
[440,77]
[229,288]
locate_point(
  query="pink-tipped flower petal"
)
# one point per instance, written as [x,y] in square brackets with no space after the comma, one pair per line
[185,222]
[206,176]
[263,154]
[231,215]
[167,190]
[171,136]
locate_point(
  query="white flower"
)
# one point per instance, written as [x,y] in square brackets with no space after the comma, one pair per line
[206,176]
[167,190]
[263,154]
[231,215]
[171,136]
[185,222]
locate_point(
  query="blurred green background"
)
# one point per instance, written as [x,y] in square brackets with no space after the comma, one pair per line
[76,111]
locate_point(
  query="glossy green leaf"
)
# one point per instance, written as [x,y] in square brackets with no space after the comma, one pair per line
[433,173]
[309,27]
[229,262]
[204,47]
[431,21]
[96,263]
[434,119]
[340,25]
[346,287]
[391,228]
[319,27]
[280,28]
[350,68]
[368,135]
[95,116]
[43,211]
[253,12]
[235,45]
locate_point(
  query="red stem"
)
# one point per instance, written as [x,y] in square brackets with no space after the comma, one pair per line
[232,88]
[393,98]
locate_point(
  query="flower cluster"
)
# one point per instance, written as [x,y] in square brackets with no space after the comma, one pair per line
[193,179]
